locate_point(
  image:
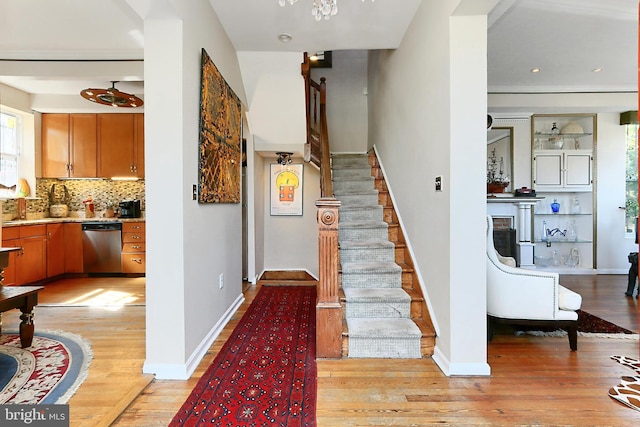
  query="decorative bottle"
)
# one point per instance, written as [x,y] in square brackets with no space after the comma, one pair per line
[555,206]
[572,233]
[575,206]
[543,237]
[554,129]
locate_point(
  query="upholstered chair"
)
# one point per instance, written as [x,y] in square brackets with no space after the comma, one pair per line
[527,297]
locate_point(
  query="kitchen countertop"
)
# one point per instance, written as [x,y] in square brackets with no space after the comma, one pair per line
[18,222]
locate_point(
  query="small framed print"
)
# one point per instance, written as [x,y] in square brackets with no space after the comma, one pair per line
[286,189]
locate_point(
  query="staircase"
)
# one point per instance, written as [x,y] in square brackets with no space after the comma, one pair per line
[385,314]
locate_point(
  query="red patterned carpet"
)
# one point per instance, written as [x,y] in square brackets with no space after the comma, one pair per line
[265,374]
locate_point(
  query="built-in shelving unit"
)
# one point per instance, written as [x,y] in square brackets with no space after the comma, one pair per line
[563,166]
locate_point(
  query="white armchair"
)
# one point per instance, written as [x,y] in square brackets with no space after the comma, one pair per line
[528,297]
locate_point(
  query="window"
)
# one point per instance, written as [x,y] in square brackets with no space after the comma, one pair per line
[10,138]
[631,203]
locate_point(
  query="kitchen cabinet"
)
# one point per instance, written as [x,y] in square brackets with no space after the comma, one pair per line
[69,145]
[121,145]
[55,250]
[563,162]
[73,262]
[133,247]
[29,264]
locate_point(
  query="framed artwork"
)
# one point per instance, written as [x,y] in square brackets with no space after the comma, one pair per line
[286,189]
[220,136]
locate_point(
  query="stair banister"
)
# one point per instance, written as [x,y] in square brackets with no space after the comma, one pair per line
[328,308]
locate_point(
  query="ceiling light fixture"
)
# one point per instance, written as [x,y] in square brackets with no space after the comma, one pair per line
[112,97]
[285,38]
[321,8]
[597,70]
[284,158]
[535,70]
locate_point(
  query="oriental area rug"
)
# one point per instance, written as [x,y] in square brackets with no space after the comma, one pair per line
[48,372]
[265,373]
[588,325]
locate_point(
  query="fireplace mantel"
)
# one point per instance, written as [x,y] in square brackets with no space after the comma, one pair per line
[520,209]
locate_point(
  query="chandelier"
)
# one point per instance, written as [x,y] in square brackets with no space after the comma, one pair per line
[111,96]
[321,8]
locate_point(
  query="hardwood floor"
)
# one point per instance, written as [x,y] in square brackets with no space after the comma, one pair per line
[534,380]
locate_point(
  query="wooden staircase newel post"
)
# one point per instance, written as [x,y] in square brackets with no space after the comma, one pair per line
[328,309]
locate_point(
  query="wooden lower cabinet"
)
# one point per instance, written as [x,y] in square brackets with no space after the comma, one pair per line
[73,262]
[29,264]
[133,247]
[55,250]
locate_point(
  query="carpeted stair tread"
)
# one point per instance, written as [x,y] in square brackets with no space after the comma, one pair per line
[351,172]
[364,224]
[363,244]
[376,295]
[355,192]
[371,267]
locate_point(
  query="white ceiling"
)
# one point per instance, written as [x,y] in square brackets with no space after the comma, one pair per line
[566,39]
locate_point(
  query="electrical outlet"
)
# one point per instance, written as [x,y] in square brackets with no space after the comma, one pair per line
[221,280]
[438,183]
[195,192]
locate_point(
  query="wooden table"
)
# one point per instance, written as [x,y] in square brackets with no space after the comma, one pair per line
[22,297]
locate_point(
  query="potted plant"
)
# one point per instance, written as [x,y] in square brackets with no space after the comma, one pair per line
[497,181]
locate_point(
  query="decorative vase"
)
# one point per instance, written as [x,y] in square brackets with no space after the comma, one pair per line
[555,206]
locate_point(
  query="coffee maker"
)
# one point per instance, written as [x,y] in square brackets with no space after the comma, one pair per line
[129,209]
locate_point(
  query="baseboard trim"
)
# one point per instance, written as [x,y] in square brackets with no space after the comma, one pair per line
[164,371]
[459,369]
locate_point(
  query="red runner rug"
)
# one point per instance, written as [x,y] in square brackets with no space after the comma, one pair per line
[265,374]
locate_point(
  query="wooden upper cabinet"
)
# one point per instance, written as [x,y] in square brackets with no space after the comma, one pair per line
[121,145]
[93,145]
[139,145]
[69,146]
[83,148]
[55,145]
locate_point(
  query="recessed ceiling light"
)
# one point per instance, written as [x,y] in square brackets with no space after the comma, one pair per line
[597,70]
[285,38]
[535,70]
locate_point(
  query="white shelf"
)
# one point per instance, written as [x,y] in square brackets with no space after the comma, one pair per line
[562,214]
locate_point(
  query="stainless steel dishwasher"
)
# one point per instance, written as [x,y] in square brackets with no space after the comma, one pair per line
[101,247]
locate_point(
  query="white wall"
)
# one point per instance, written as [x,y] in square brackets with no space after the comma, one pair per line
[613,247]
[260,213]
[427,117]
[275,96]
[189,244]
[291,242]
[346,100]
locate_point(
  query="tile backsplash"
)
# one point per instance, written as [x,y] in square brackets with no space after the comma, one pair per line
[102,191]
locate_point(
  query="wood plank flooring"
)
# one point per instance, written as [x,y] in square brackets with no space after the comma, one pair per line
[534,380]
